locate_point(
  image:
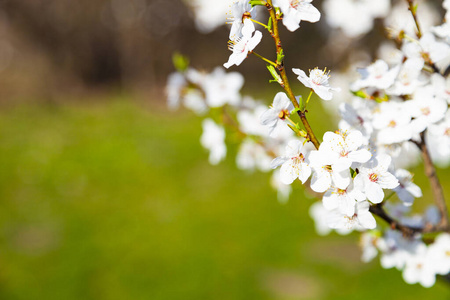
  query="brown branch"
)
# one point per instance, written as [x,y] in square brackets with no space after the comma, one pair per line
[436,186]
[409,231]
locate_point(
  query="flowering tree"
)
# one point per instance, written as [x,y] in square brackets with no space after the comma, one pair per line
[398,112]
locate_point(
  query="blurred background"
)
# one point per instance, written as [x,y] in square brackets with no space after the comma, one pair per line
[106,194]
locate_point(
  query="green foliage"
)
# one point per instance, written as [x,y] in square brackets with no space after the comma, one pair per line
[180,62]
[115,201]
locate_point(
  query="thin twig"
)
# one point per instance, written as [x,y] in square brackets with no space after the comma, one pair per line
[413,11]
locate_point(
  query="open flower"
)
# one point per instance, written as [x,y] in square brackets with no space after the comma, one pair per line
[346,145]
[376,75]
[241,46]
[343,199]
[361,218]
[318,81]
[241,11]
[324,176]
[293,164]
[406,190]
[374,177]
[281,108]
[213,139]
[294,11]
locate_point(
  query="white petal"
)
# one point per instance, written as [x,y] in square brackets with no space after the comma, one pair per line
[341,179]
[360,156]
[330,200]
[354,140]
[302,77]
[304,173]
[367,220]
[374,192]
[276,162]
[287,174]
[320,182]
[323,92]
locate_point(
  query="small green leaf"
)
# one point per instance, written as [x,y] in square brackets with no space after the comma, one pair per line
[360,94]
[180,62]
[257,2]
[274,74]
[280,57]
[270,25]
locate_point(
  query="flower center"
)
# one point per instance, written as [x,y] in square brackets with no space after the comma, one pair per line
[328,168]
[246,15]
[298,159]
[373,177]
[238,45]
[319,77]
[283,114]
[425,110]
[392,124]
[341,192]
[447,132]
[295,3]
[447,253]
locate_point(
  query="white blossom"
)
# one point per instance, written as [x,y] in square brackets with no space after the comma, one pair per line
[241,10]
[213,139]
[318,81]
[293,164]
[408,78]
[373,177]
[283,190]
[280,109]
[406,190]
[295,11]
[324,176]
[377,75]
[252,156]
[354,17]
[361,218]
[439,253]
[426,109]
[419,268]
[320,216]
[241,46]
[222,88]
[393,122]
[347,146]
[343,200]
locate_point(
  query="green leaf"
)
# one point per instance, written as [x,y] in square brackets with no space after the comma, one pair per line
[274,74]
[280,57]
[180,62]
[257,2]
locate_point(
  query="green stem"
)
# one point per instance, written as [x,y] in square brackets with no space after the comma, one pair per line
[263,25]
[412,9]
[307,100]
[265,59]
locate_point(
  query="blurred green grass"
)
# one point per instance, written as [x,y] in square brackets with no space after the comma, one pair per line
[114,200]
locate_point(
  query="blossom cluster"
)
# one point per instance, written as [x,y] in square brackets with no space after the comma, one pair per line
[398,108]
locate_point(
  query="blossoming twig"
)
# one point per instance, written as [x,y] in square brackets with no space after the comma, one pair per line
[413,10]
[276,36]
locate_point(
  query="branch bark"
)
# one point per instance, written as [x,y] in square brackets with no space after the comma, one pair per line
[436,186]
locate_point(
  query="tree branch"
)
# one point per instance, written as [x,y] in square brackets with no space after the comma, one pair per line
[436,186]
